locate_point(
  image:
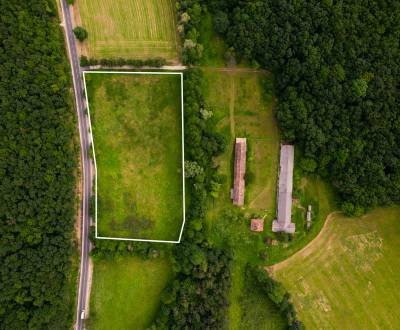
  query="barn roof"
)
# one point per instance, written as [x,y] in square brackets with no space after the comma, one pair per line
[257,225]
[285,187]
[239,171]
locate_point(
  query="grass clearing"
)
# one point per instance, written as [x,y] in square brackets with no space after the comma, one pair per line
[214,45]
[348,275]
[137,29]
[126,292]
[136,122]
[242,109]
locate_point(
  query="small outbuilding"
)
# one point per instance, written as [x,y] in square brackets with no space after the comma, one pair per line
[257,225]
[308,217]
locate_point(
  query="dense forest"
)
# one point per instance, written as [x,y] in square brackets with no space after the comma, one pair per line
[336,68]
[37,169]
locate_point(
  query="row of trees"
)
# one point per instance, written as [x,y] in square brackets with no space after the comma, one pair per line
[157,61]
[38,162]
[336,66]
[197,299]
[190,13]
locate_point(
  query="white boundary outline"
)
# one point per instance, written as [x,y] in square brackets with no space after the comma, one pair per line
[94,154]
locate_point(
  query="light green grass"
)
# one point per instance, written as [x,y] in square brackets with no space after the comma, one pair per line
[126,292]
[136,121]
[129,28]
[348,277]
[243,108]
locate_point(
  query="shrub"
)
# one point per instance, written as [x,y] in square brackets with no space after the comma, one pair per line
[80,33]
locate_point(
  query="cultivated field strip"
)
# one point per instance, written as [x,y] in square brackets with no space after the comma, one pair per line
[348,276]
[130,28]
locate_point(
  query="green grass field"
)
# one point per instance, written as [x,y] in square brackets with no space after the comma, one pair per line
[243,107]
[129,28]
[126,292]
[242,110]
[348,276]
[136,121]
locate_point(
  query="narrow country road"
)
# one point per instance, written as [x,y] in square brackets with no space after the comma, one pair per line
[86,175]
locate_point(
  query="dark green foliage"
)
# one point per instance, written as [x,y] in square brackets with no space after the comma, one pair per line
[276,292]
[190,13]
[104,248]
[92,206]
[80,33]
[38,160]
[220,22]
[336,67]
[308,165]
[156,62]
[197,299]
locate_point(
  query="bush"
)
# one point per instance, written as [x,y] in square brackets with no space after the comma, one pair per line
[221,22]
[80,33]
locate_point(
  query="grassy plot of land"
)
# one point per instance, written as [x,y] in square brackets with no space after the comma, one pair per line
[348,276]
[243,108]
[136,122]
[129,28]
[126,292]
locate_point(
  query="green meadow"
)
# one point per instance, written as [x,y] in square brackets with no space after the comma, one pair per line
[126,292]
[136,122]
[348,276]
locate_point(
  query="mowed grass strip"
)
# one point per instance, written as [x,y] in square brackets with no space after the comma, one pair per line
[126,292]
[136,122]
[137,29]
[348,276]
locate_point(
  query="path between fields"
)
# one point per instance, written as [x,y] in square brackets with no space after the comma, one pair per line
[179,67]
[276,267]
[234,70]
[232,107]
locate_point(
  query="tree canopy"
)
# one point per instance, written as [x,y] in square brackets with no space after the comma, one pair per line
[37,169]
[80,33]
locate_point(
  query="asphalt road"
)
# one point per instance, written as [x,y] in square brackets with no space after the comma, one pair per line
[86,175]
